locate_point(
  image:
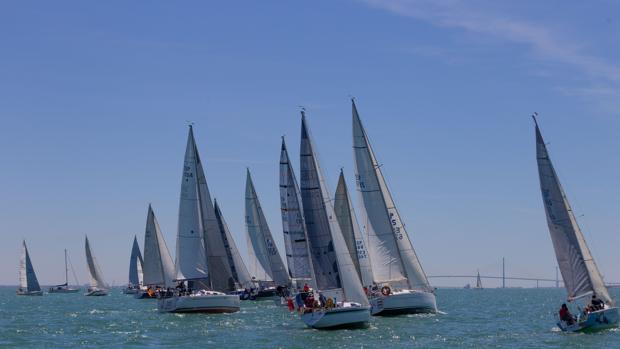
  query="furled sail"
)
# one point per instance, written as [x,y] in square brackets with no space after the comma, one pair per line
[158,264]
[96,277]
[478,281]
[392,255]
[333,267]
[351,231]
[293,225]
[191,261]
[135,264]
[262,247]
[239,270]
[27,278]
[579,271]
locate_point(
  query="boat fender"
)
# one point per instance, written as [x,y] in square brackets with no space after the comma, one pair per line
[386,291]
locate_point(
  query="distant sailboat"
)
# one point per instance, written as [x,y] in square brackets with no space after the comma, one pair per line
[266,265]
[64,288]
[194,273]
[351,231]
[28,283]
[97,286]
[581,276]
[158,268]
[135,269]
[334,274]
[293,228]
[478,282]
[396,270]
[240,272]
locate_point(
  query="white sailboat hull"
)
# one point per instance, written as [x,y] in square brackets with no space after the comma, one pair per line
[63,290]
[28,293]
[345,317]
[594,321]
[200,303]
[96,292]
[404,302]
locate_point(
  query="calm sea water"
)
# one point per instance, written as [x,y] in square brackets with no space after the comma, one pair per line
[489,318]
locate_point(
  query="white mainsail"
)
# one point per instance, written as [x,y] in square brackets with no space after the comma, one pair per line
[96,277]
[332,263]
[239,270]
[579,271]
[191,261]
[293,225]
[135,264]
[351,231]
[27,278]
[220,271]
[392,255]
[266,263]
[158,264]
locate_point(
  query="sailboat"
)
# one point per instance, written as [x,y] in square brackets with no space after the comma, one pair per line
[135,269]
[243,281]
[581,276]
[294,230]
[399,285]
[64,288]
[266,265]
[97,286]
[198,278]
[28,283]
[351,231]
[478,282]
[345,304]
[158,268]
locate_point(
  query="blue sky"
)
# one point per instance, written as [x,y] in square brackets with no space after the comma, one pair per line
[95,98]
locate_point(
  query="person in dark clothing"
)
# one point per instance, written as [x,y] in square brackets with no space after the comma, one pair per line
[597,304]
[565,315]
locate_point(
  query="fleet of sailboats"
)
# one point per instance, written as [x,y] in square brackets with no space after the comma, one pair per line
[581,276]
[339,270]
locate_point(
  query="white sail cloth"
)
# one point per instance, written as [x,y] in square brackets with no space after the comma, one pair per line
[27,277]
[391,252]
[351,231]
[579,271]
[265,261]
[293,225]
[332,263]
[96,277]
[158,266]
[135,264]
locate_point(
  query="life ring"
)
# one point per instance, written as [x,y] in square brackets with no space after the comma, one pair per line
[386,291]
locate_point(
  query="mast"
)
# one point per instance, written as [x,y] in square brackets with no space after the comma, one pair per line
[577,266]
[66,269]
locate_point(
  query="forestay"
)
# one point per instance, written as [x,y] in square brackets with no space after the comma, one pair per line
[333,267]
[135,264]
[293,225]
[393,258]
[158,264]
[239,270]
[190,255]
[96,277]
[262,247]
[27,278]
[579,271]
[351,231]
